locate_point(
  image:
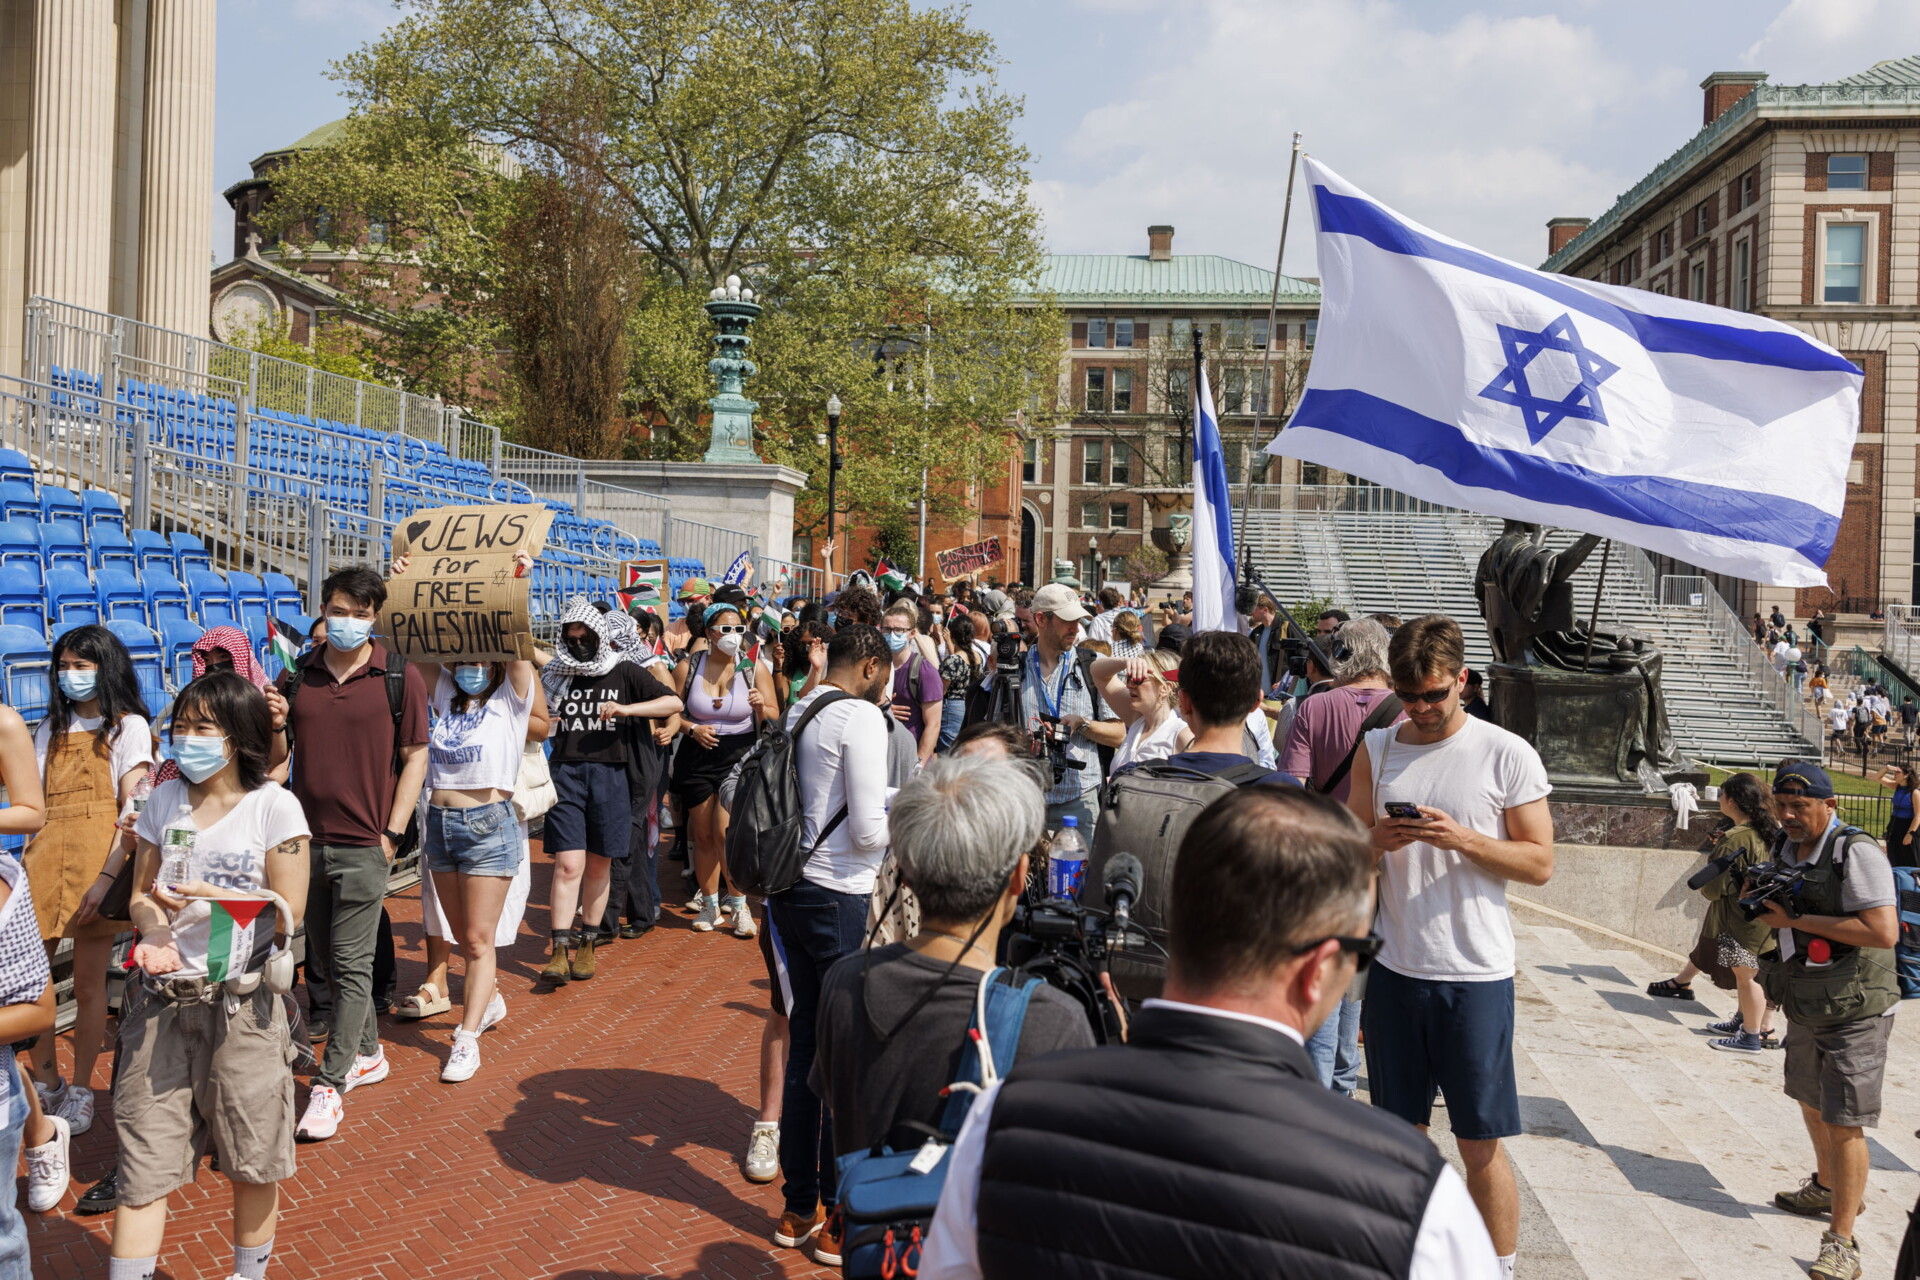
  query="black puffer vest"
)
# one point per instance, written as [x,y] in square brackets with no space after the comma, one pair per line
[1205,1147]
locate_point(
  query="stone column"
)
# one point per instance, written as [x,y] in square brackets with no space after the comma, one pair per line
[176,219]
[70,231]
[16,142]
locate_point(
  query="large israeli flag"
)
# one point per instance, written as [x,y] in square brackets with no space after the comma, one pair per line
[1212,519]
[1714,436]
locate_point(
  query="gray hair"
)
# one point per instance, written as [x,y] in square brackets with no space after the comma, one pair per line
[959,828]
[1365,642]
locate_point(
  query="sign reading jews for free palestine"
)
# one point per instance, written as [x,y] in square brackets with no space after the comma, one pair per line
[459,600]
[972,558]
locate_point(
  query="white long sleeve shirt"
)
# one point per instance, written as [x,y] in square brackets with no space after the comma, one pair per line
[1452,1244]
[843,760]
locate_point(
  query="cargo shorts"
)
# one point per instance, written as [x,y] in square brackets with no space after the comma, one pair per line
[191,1072]
[1838,1071]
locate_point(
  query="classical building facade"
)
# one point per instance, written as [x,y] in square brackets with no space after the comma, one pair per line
[1799,202]
[106,155]
[1098,488]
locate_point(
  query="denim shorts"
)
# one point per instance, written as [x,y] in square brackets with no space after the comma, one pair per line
[481,841]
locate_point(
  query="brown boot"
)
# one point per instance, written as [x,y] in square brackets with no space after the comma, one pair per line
[583,958]
[556,970]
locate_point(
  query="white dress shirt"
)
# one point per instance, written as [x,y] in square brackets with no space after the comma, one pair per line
[1452,1245]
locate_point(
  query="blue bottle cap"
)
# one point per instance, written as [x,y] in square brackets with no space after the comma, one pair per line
[1069,821]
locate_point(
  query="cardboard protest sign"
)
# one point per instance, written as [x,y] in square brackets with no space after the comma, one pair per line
[459,600]
[972,558]
[644,582]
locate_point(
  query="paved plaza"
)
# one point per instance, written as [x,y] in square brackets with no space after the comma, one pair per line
[603,1136]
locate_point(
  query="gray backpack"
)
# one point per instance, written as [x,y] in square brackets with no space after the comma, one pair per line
[1145,811]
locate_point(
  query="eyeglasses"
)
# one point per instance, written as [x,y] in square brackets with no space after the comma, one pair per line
[735,630]
[1431,697]
[896,631]
[1363,949]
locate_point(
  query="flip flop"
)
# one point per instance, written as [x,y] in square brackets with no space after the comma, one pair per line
[415,1006]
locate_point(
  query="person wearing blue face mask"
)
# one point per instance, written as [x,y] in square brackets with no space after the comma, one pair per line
[92,748]
[916,685]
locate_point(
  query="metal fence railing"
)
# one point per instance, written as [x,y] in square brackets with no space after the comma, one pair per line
[711,545]
[633,511]
[801,579]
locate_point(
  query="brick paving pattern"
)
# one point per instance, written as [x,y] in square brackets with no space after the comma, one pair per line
[601,1140]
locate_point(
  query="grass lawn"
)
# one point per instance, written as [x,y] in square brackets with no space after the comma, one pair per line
[1863,801]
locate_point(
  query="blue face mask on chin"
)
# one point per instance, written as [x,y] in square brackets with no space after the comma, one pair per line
[79,685]
[348,634]
[471,680]
[200,758]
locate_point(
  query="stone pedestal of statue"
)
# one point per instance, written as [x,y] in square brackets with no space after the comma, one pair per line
[1585,724]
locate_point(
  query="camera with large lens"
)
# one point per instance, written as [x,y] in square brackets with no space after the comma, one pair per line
[1715,868]
[1050,743]
[1775,884]
[1068,944]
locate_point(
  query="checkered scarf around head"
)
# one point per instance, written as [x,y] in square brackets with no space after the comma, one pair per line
[565,666]
[236,645]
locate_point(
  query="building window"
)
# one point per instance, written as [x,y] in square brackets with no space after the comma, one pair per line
[1093,462]
[1096,333]
[1748,190]
[1663,244]
[1846,173]
[1232,450]
[1697,282]
[1700,219]
[1742,275]
[1091,514]
[1180,390]
[1260,334]
[376,231]
[1123,333]
[1123,391]
[1845,260]
[1180,335]
[1119,515]
[1030,461]
[1256,390]
[1234,399]
[1312,473]
[1116,568]
[1122,463]
[1313,328]
[1236,332]
[1096,390]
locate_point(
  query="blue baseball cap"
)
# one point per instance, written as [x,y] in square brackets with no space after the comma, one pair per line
[1804,778]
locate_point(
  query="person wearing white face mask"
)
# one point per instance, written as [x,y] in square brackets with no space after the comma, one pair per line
[729,692]
[204,1038]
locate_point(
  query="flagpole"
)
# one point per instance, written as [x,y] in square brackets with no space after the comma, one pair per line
[1593,620]
[1266,353]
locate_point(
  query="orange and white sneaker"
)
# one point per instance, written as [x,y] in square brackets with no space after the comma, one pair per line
[323,1115]
[366,1070]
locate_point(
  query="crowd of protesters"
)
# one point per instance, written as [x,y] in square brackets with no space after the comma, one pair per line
[1333,895]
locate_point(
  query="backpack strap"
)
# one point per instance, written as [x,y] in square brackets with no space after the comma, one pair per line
[396,681]
[1083,659]
[1381,716]
[826,699]
[993,1032]
[1244,774]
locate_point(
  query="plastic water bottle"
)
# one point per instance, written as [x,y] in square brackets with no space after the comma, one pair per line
[176,853]
[1066,860]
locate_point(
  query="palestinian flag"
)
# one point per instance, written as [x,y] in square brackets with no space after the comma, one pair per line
[283,642]
[239,936]
[770,618]
[890,577]
[749,656]
[645,595]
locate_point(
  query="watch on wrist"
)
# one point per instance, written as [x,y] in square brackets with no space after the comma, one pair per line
[395,836]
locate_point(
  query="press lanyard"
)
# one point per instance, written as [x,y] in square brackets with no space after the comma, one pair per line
[1050,703]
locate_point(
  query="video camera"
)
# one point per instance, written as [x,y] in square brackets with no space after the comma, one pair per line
[1049,742]
[1068,944]
[1773,883]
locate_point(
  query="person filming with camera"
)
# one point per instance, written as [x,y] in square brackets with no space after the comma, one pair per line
[1059,696]
[1829,895]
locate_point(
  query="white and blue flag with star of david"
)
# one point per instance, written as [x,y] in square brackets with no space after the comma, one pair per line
[1714,436]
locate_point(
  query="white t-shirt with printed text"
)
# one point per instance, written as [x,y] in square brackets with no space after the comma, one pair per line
[479,749]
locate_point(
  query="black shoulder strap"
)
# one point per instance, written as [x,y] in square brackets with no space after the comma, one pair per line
[1083,658]
[1379,718]
[1242,774]
[826,699]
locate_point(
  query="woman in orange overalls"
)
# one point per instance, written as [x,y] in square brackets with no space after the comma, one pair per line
[93,748]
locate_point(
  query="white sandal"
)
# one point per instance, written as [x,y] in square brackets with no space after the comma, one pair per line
[414,1007]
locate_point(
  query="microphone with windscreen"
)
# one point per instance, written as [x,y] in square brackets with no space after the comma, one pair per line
[1121,884]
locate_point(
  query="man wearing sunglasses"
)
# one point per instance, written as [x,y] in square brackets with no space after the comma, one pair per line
[1458,807]
[1212,1101]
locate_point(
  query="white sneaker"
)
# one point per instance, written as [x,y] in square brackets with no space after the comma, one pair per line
[699,900]
[366,1070]
[50,1099]
[465,1058]
[496,1014]
[76,1108]
[743,925]
[763,1152]
[48,1168]
[323,1115]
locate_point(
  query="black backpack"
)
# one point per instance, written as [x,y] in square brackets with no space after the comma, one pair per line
[764,852]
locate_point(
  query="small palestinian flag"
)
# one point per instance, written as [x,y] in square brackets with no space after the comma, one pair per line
[645,595]
[284,643]
[890,577]
[748,658]
[239,936]
[770,619]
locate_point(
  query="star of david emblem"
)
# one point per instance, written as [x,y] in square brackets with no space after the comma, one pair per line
[1542,412]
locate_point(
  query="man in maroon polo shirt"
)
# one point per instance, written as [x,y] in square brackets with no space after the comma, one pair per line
[358,777]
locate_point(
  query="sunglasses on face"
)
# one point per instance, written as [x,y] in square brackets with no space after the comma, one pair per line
[1430,697]
[1363,949]
[731,630]
[1134,682]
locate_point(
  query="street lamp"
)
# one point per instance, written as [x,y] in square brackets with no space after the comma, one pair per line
[1093,555]
[833,464]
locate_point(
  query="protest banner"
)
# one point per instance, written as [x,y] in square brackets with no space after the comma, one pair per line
[972,558]
[644,582]
[459,600]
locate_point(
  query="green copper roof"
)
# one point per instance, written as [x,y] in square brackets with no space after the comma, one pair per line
[1097,279]
[1893,84]
[321,137]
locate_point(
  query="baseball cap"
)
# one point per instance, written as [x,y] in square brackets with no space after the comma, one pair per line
[695,587]
[1061,601]
[1172,637]
[1802,777]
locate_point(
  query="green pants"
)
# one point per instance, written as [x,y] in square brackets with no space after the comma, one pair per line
[344,893]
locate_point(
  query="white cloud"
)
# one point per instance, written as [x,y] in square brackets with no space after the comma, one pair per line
[1816,40]
[1473,126]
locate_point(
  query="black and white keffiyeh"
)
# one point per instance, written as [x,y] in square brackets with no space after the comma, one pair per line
[564,667]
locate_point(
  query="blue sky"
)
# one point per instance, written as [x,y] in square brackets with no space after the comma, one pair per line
[1481,120]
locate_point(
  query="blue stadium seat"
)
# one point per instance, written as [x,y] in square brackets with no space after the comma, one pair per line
[152,550]
[211,598]
[18,500]
[100,509]
[177,639]
[109,547]
[20,544]
[249,597]
[63,547]
[22,601]
[15,466]
[71,600]
[24,664]
[283,597]
[121,595]
[189,553]
[62,506]
[144,647]
[166,597]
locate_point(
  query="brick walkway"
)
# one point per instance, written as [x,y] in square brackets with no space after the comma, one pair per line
[602,1137]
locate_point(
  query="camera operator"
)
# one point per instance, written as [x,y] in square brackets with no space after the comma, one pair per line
[1089,1156]
[1829,895]
[1058,697]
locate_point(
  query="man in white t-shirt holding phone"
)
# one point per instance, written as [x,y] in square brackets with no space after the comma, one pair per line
[1458,807]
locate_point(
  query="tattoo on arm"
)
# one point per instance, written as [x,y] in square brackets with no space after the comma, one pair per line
[296,847]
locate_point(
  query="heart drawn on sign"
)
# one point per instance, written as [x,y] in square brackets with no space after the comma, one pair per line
[415,529]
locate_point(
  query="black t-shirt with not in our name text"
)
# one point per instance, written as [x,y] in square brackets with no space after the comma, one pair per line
[581,735]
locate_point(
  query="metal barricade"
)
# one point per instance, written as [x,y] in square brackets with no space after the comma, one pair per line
[715,548]
[801,579]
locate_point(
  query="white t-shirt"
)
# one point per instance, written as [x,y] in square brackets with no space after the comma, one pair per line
[130,746]
[479,749]
[1140,748]
[842,760]
[1838,717]
[231,854]
[1442,918]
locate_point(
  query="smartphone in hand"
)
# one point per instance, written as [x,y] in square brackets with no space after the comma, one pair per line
[1401,811]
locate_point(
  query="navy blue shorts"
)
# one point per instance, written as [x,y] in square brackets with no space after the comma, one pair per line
[594,811]
[1456,1037]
